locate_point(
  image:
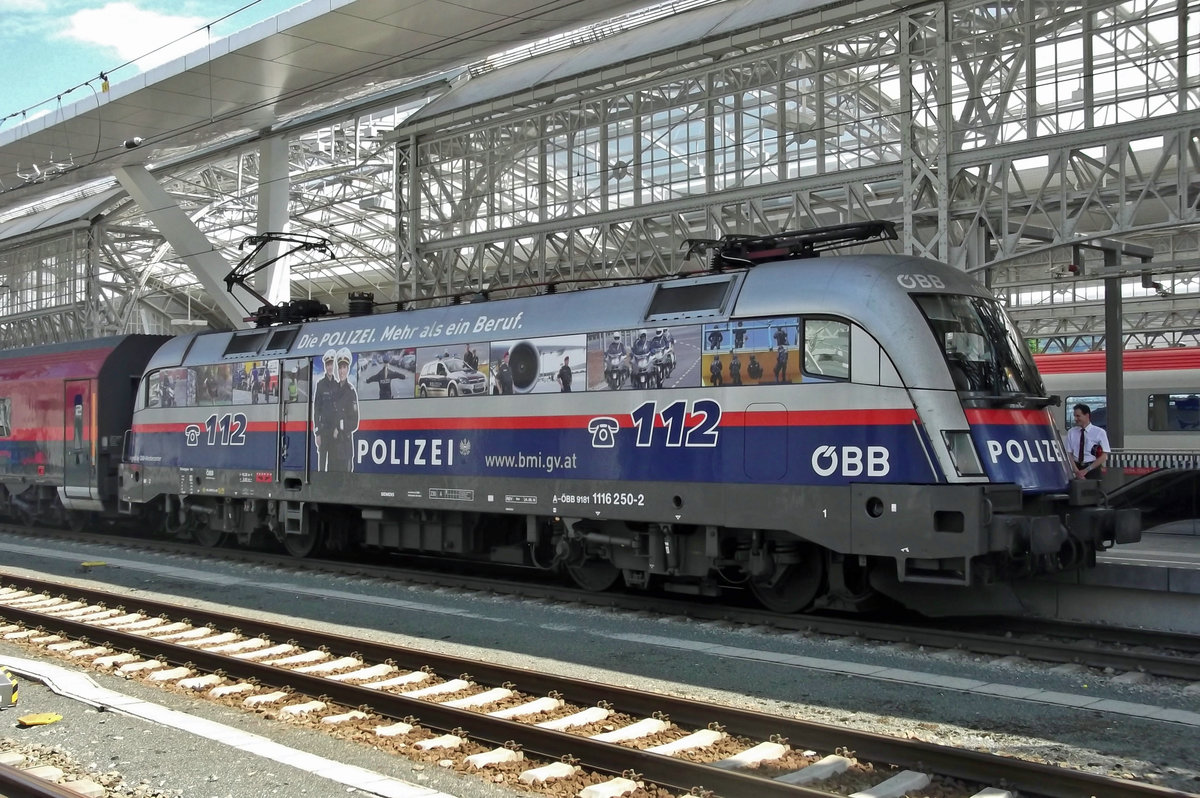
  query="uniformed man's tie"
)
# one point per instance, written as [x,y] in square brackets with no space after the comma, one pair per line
[1081,437]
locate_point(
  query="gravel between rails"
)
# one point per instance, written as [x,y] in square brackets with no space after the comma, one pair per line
[604,646]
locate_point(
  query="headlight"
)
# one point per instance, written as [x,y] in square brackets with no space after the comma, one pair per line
[962,452]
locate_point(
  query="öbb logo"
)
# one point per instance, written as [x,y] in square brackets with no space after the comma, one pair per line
[851,461]
[910,281]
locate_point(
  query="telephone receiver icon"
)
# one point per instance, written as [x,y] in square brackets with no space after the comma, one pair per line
[604,432]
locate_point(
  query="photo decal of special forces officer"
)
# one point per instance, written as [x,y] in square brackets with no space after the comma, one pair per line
[335,412]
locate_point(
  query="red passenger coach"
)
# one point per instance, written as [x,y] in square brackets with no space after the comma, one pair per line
[64,411]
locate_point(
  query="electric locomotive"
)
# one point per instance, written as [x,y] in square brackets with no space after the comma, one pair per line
[817,430]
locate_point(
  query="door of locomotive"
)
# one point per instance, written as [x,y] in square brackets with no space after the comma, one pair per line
[295,409]
[79,454]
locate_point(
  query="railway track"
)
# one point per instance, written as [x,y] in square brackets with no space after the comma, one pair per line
[571,727]
[1162,654]
[41,781]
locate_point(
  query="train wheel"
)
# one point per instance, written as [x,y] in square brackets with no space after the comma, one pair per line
[301,545]
[208,537]
[81,521]
[594,575]
[793,587]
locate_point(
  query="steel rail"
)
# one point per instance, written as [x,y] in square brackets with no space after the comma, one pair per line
[16,783]
[938,634]
[1031,777]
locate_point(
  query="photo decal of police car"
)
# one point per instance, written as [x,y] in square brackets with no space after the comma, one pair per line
[450,377]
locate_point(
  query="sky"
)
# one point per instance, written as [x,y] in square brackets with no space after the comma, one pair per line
[48,48]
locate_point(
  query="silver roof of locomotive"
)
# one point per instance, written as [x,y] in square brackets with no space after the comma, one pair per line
[866,289]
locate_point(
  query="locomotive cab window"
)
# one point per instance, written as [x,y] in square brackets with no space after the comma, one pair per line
[168,388]
[984,352]
[826,349]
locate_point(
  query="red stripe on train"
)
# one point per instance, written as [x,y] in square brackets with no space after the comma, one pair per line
[1131,360]
[1008,417]
[768,418]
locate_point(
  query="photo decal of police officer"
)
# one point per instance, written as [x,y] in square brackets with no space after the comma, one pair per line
[335,410]
[753,352]
[381,375]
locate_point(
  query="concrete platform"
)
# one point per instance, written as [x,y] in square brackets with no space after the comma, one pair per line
[1154,584]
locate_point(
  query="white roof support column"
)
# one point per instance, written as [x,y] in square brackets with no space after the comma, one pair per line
[192,247]
[274,186]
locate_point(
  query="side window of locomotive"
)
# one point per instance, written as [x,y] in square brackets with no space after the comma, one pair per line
[5,417]
[159,390]
[826,350]
[297,380]
[214,384]
[1096,402]
[255,382]
[1172,412]
[169,388]
[152,396]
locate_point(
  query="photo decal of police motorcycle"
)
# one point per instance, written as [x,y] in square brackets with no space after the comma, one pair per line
[616,366]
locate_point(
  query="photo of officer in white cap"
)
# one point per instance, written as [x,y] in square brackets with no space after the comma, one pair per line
[344,415]
[323,408]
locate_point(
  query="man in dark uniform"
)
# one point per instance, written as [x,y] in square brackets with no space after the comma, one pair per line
[739,336]
[781,359]
[735,368]
[616,349]
[641,346]
[256,384]
[166,392]
[385,376]
[714,371]
[504,376]
[323,409]
[344,415]
[471,359]
[754,368]
[564,375]
[715,337]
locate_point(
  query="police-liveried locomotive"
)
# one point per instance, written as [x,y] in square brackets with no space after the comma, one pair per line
[813,429]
